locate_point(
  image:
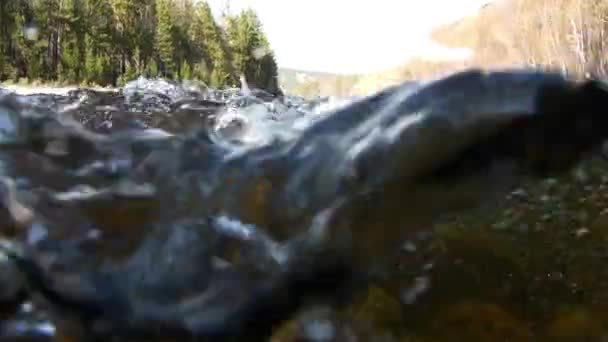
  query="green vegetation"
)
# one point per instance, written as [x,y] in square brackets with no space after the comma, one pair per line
[108,42]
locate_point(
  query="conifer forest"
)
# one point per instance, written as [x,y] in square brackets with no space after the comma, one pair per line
[109,42]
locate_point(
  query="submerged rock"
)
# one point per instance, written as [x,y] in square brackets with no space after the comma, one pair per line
[12,288]
[480,322]
[217,235]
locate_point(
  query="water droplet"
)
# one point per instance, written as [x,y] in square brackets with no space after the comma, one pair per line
[319,330]
[420,286]
[30,32]
[581,232]
[409,246]
[555,276]
[519,193]
[8,125]
[551,182]
[580,175]
[36,234]
[94,234]
[27,307]
[47,328]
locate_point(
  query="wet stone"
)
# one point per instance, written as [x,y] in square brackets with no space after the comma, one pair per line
[12,287]
[172,211]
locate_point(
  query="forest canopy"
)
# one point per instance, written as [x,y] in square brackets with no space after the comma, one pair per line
[109,42]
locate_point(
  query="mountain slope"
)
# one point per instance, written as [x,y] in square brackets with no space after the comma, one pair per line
[313,83]
[567,35]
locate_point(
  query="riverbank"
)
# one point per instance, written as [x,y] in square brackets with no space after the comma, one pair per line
[28,89]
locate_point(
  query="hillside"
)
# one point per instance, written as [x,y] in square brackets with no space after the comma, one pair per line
[291,78]
[313,83]
[567,35]
[564,35]
[492,33]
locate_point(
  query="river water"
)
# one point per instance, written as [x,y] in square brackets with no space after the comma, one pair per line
[169,210]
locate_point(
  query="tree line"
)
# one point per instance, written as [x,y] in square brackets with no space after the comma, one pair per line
[109,42]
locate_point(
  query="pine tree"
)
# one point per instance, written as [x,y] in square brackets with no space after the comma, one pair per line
[6,18]
[8,12]
[164,37]
[209,47]
[124,15]
[48,19]
[251,53]
[268,74]
[93,74]
[201,32]
[183,15]
[99,41]
[152,69]
[185,71]
[201,72]
[236,32]
[73,48]
[145,34]
[219,78]
[112,41]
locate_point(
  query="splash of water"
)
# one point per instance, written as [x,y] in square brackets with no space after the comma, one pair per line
[196,210]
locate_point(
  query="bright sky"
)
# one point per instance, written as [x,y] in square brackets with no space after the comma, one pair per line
[345,36]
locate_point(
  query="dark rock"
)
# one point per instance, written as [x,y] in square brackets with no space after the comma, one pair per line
[12,288]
